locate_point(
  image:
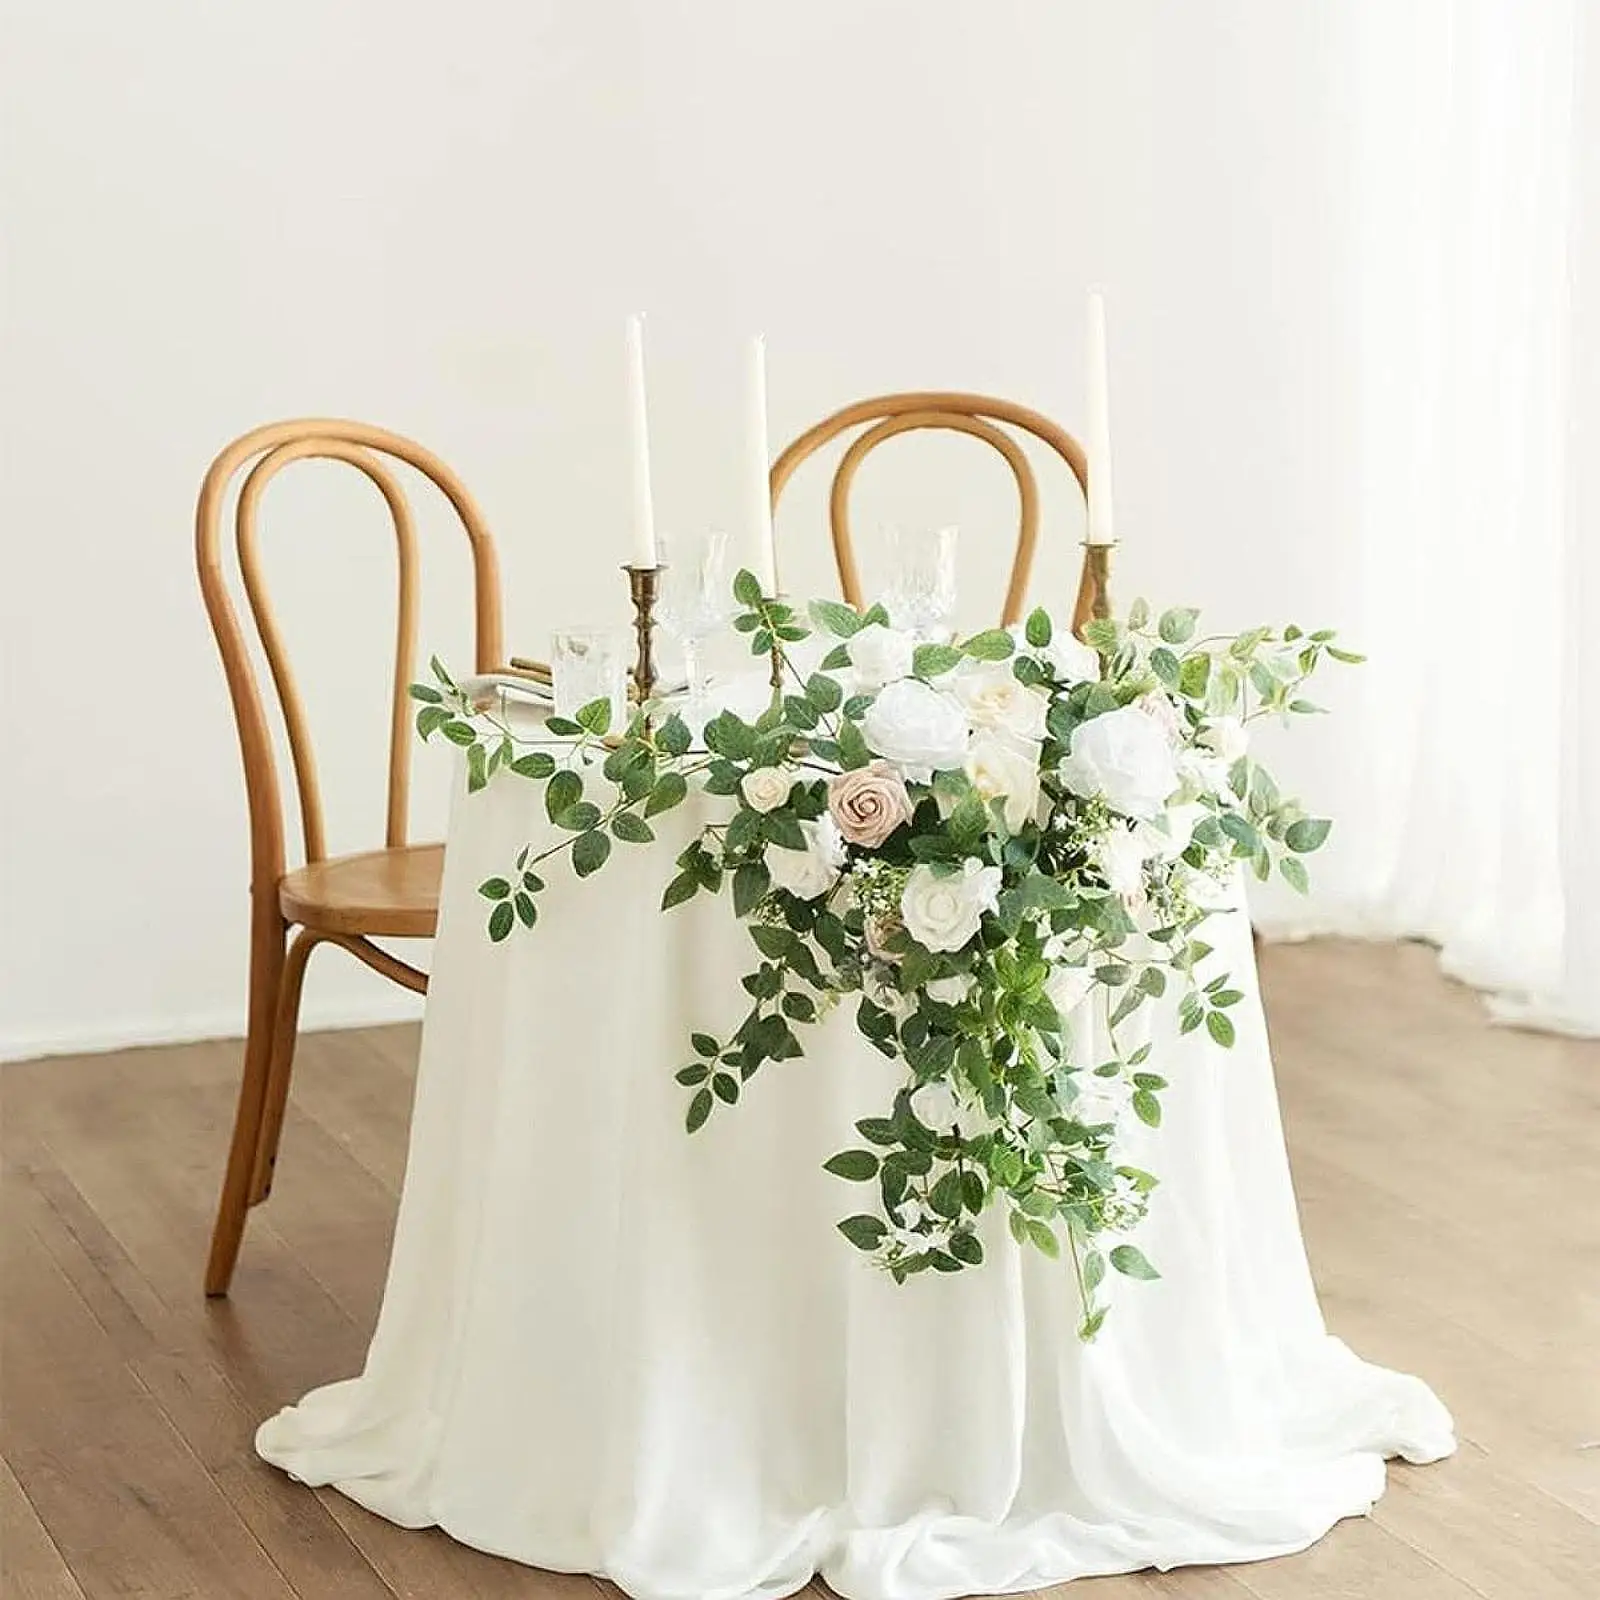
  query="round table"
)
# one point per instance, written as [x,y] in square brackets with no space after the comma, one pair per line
[608,1347]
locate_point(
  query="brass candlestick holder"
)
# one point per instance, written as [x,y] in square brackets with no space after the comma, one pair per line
[644,589]
[1094,587]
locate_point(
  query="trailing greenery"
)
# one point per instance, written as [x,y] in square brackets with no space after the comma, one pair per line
[995,850]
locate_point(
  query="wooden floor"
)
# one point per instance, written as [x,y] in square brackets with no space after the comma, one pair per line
[1449,1179]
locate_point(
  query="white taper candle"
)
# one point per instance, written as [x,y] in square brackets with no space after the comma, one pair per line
[758,495]
[1098,425]
[643,545]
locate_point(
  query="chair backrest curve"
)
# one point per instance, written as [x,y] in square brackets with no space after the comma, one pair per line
[260,455]
[977,415]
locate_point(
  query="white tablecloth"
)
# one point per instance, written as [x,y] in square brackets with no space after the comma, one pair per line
[608,1347]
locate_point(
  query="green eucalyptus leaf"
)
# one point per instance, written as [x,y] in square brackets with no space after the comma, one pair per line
[1307,834]
[865,1233]
[670,790]
[1177,625]
[750,884]
[1130,1261]
[834,617]
[595,717]
[565,789]
[589,852]
[699,1110]
[930,660]
[994,644]
[857,1166]
[632,828]
[824,692]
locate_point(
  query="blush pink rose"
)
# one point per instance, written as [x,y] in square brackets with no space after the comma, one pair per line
[869,803]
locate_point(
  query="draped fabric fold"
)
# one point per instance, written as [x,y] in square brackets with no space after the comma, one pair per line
[1471,267]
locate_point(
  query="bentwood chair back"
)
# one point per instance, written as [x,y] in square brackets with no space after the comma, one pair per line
[341,900]
[976,415]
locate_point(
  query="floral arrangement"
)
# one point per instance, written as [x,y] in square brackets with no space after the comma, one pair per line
[982,843]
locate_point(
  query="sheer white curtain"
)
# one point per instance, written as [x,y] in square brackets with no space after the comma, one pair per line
[1478,506]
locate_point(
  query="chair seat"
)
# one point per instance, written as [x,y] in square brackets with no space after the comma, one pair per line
[379,891]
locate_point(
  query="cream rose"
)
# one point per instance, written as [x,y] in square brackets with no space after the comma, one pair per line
[1124,756]
[996,701]
[919,728]
[942,910]
[869,803]
[767,788]
[812,871]
[880,655]
[950,991]
[1000,770]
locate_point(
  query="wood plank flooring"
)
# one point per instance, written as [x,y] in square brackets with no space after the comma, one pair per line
[1449,1180]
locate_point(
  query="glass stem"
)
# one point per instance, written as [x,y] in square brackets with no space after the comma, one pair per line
[691,668]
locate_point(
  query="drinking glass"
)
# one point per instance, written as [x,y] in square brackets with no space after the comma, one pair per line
[590,664]
[922,590]
[696,600]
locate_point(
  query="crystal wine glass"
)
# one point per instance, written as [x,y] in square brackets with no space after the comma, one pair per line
[922,591]
[696,601]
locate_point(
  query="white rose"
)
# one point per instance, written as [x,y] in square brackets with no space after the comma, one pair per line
[767,788]
[880,654]
[942,910]
[919,728]
[995,700]
[1067,988]
[999,770]
[1067,656]
[813,871]
[1125,756]
[1120,855]
[935,1107]
[950,991]
[1168,836]
[1225,738]
[1206,773]
[1159,708]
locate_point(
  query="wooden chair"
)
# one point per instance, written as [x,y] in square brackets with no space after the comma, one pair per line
[341,900]
[974,414]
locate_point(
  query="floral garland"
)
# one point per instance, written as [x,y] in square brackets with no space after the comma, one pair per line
[978,840]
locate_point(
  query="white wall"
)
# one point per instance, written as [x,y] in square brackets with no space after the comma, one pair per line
[435,217]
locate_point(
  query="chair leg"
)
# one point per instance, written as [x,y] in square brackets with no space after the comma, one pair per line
[266,972]
[285,1031]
